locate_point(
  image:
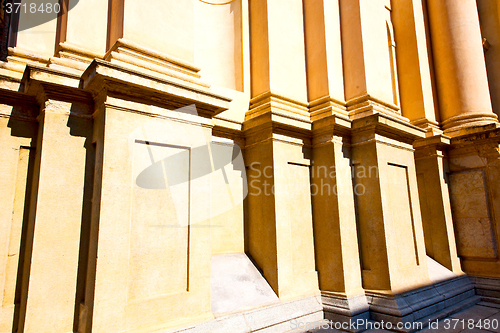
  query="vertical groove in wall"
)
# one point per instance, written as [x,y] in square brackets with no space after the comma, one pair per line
[85,230]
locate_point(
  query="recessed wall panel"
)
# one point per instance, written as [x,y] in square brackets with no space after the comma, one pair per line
[159,245]
[401,209]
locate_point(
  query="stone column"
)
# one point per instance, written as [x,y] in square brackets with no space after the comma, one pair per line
[368,48]
[462,84]
[335,227]
[277,130]
[335,234]
[59,199]
[325,78]
[414,66]
[434,196]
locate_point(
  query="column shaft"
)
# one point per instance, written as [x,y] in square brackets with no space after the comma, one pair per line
[277,52]
[370,69]
[325,78]
[464,98]
[414,72]
[49,293]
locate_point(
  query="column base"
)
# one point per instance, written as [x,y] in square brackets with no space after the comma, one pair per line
[425,304]
[340,308]
[468,123]
[366,105]
[474,179]
[72,58]
[326,106]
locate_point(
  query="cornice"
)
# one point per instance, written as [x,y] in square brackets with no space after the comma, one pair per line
[44,83]
[102,77]
[387,126]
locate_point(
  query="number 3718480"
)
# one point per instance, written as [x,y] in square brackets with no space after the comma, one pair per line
[32,8]
[451,323]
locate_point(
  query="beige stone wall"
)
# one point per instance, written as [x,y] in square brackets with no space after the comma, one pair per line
[336,143]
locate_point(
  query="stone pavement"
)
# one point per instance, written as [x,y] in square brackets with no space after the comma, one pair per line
[484,316]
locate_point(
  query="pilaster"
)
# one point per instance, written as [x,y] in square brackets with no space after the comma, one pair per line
[32,44]
[278,65]
[279,227]
[149,265]
[132,20]
[432,177]
[387,205]
[59,203]
[335,227]
[414,65]
[474,164]
[325,81]
[369,58]
[38,40]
